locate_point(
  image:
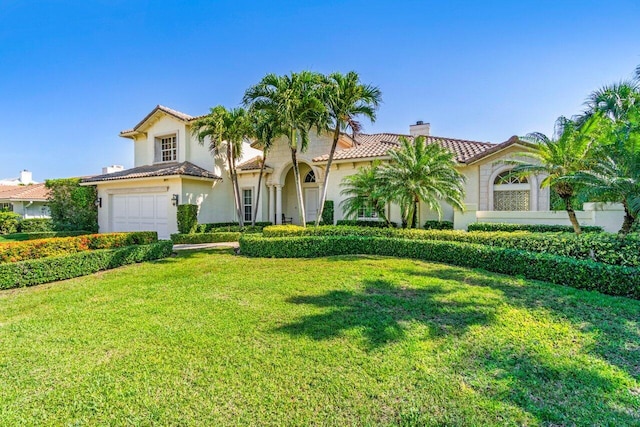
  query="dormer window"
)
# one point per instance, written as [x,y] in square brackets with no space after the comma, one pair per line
[168,149]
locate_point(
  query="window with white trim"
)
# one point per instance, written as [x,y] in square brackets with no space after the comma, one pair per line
[168,149]
[6,207]
[247,202]
[367,212]
[511,193]
[310,177]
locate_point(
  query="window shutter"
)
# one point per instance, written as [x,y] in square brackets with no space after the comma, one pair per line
[157,150]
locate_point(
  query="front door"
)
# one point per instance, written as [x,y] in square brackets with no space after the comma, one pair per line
[311,204]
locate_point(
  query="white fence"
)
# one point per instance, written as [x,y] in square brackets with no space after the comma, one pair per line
[606,215]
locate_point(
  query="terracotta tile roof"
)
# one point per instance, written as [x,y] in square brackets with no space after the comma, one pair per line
[175,113]
[252,164]
[34,192]
[162,169]
[377,145]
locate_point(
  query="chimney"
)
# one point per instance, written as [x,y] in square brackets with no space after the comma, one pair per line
[112,169]
[420,129]
[26,177]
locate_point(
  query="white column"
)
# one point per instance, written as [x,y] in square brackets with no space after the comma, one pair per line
[278,204]
[272,204]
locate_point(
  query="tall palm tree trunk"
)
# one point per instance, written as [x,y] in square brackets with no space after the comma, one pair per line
[255,212]
[572,214]
[234,183]
[325,184]
[629,219]
[298,183]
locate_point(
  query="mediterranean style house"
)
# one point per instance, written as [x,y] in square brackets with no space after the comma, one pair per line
[172,168]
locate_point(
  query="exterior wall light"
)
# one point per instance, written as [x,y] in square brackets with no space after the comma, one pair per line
[98,202]
[174,200]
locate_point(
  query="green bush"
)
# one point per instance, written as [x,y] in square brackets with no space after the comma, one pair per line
[534,228]
[231,227]
[364,223]
[72,206]
[42,235]
[9,222]
[187,218]
[328,212]
[192,239]
[42,248]
[582,274]
[607,248]
[35,225]
[438,225]
[35,272]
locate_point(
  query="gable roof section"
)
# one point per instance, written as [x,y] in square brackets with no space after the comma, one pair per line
[377,145]
[252,164]
[170,111]
[158,170]
[514,140]
[31,193]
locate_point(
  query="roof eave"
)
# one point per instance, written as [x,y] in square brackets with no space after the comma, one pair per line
[149,178]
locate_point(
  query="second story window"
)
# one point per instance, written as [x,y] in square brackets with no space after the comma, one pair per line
[168,149]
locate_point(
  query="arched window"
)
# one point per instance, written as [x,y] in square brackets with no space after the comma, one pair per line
[511,193]
[310,177]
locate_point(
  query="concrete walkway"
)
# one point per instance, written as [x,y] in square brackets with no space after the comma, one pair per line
[189,247]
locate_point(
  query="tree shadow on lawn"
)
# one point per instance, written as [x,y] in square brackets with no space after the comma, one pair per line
[615,320]
[382,309]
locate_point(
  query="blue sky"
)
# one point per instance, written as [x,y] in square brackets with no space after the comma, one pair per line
[75,73]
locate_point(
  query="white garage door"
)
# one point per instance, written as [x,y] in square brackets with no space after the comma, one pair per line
[140,212]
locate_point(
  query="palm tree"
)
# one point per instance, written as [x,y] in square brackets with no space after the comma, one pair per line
[226,130]
[560,159]
[265,130]
[294,100]
[345,99]
[365,192]
[423,172]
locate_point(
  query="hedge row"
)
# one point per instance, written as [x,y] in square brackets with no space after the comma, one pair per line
[364,223]
[534,228]
[35,225]
[43,235]
[231,226]
[601,247]
[35,272]
[438,225]
[43,248]
[581,274]
[218,237]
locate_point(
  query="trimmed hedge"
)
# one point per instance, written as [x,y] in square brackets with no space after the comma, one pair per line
[328,212]
[581,274]
[607,248]
[43,248]
[35,225]
[9,222]
[35,272]
[534,228]
[363,223]
[231,226]
[193,239]
[187,218]
[42,235]
[438,225]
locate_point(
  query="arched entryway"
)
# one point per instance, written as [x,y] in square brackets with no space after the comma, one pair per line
[310,194]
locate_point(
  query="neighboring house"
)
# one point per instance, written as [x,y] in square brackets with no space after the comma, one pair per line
[29,201]
[25,178]
[172,168]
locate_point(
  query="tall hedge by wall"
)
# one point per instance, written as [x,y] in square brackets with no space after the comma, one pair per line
[328,212]
[72,206]
[581,274]
[187,218]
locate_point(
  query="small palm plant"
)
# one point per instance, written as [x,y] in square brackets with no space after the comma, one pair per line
[365,194]
[421,172]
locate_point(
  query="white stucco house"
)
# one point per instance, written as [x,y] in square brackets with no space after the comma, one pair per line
[171,168]
[28,201]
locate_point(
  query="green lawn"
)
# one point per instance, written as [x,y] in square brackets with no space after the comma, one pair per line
[211,338]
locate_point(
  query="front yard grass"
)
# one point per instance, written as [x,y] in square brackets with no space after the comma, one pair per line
[211,338]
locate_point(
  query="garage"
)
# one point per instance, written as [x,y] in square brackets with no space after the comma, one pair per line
[140,212]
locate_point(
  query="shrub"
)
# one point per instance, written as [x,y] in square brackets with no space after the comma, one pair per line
[35,225]
[187,218]
[34,272]
[582,274]
[231,226]
[601,247]
[193,239]
[364,223]
[438,225]
[43,248]
[534,228]
[9,222]
[43,235]
[328,212]
[72,206]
